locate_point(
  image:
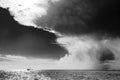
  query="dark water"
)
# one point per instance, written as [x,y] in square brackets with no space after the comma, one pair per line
[60,75]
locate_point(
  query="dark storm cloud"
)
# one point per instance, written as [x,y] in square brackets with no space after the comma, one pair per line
[82,17]
[73,19]
[26,41]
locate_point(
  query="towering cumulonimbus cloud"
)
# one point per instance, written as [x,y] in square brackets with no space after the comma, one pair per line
[79,17]
[74,21]
[66,17]
[25,11]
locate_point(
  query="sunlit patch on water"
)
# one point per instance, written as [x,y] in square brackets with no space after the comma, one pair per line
[22,75]
[60,75]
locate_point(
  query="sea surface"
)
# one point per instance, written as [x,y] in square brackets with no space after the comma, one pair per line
[60,75]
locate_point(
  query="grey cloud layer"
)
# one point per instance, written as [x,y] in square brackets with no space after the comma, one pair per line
[82,17]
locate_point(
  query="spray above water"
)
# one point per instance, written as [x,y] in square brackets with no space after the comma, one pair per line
[82,53]
[68,19]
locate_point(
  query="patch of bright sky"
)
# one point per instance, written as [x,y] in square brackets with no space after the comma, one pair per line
[21,63]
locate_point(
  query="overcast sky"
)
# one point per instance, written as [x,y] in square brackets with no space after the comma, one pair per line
[81,24]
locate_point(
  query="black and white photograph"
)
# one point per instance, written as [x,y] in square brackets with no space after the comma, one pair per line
[59,40]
